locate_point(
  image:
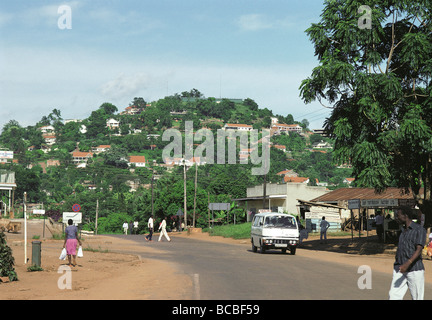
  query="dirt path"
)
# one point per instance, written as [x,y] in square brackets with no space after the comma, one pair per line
[104,275]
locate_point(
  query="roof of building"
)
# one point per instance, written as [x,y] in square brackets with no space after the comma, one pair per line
[238,125]
[295,179]
[81,154]
[137,159]
[363,194]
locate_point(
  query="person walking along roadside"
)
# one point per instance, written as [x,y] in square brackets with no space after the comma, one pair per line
[408,270]
[162,229]
[71,240]
[150,226]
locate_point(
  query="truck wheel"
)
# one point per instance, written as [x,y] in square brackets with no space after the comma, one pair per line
[284,250]
[262,248]
[254,249]
[293,250]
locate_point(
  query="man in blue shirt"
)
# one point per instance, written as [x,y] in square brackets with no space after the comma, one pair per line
[408,270]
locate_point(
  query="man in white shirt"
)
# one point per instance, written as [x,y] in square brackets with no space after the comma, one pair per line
[323,232]
[162,229]
[379,220]
[135,225]
[125,227]
[150,226]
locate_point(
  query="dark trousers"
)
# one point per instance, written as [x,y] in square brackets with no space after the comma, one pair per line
[380,231]
[149,236]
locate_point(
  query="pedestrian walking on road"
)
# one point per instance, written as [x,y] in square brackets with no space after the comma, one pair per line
[150,226]
[324,225]
[408,268]
[71,240]
[163,231]
[135,225]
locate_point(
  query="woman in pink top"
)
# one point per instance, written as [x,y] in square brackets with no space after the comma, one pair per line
[71,240]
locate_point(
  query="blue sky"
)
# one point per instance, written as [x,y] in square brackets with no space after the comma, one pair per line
[118,50]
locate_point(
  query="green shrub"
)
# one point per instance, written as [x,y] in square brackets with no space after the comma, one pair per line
[7,261]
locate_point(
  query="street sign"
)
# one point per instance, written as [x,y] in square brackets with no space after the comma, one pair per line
[219,206]
[354,204]
[76,207]
[75,216]
[379,203]
[38,211]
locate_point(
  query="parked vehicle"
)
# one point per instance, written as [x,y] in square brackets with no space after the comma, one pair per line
[272,230]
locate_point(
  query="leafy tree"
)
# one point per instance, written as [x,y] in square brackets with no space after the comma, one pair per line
[108,108]
[251,104]
[138,102]
[116,156]
[97,123]
[378,82]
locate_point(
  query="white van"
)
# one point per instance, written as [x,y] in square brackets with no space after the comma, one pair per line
[272,230]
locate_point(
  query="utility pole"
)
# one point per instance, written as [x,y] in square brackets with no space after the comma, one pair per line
[97,214]
[264,191]
[196,174]
[184,179]
[25,227]
[208,206]
[152,191]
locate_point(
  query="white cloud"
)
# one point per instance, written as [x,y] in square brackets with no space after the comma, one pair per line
[256,22]
[253,22]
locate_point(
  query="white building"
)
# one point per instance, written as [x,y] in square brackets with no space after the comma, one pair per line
[282,127]
[279,197]
[113,123]
[237,126]
[47,129]
[138,161]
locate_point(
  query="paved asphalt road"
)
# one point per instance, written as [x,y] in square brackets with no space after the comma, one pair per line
[223,271]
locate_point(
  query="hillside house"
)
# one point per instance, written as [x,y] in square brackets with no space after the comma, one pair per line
[46,129]
[138,161]
[113,123]
[237,126]
[79,157]
[282,127]
[50,139]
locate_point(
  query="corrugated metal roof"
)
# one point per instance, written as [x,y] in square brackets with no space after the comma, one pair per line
[363,193]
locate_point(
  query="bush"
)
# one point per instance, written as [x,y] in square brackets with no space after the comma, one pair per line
[7,261]
[113,223]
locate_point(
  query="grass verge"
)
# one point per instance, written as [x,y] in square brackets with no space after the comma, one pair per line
[235,231]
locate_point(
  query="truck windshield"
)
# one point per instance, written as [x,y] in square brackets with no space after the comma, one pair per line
[280,222]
